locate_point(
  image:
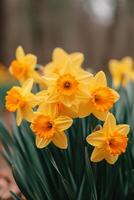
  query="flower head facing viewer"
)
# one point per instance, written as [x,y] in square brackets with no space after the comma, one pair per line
[110,141]
[69,85]
[122,71]
[23,67]
[49,127]
[21,99]
[101,100]
[59,59]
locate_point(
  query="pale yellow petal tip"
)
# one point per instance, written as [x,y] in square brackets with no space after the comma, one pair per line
[65,146]
[111,159]
[109,162]
[18,122]
[58,49]
[60,140]
[100,73]
[41,143]
[127,128]
[128,59]
[20,54]
[62,145]
[113,62]
[20,50]
[58,52]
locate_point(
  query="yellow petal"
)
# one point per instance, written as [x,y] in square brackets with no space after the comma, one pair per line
[18,117]
[67,100]
[84,110]
[72,55]
[109,125]
[83,92]
[41,143]
[77,60]
[20,53]
[27,113]
[100,79]
[27,86]
[50,79]
[37,78]
[53,95]
[100,115]
[96,138]
[71,65]
[98,154]
[110,158]
[128,63]
[30,60]
[49,109]
[59,56]
[70,112]
[84,78]
[123,129]
[63,123]
[60,140]
[116,81]
[49,68]
[114,67]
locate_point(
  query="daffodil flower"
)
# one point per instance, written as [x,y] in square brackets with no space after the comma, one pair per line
[21,99]
[49,127]
[122,71]
[101,100]
[23,67]
[69,87]
[59,59]
[110,141]
[60,108]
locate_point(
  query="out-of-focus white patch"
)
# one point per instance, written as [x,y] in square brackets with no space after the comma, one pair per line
[100,11]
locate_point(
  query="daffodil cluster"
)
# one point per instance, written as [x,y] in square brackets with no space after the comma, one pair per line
[67,92]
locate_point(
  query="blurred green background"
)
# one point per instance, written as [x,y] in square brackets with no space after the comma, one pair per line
[101,29]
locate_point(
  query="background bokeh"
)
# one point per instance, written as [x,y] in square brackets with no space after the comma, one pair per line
[101,29]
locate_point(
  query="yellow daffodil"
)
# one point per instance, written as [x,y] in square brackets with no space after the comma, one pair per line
[109,142]
[48,127]
[101,100]
[60,108]
[21,99]
[59,59]
[122,71]
[69,86]
[23,67]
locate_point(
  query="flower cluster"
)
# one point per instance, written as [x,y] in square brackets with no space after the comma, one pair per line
[67,92]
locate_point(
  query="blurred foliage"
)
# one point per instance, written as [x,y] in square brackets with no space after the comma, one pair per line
[52,173]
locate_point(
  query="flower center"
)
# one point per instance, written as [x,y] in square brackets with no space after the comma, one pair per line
[15,100]
[103,98]
[67,85]
[117,144]
[43,126]
[18,69]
